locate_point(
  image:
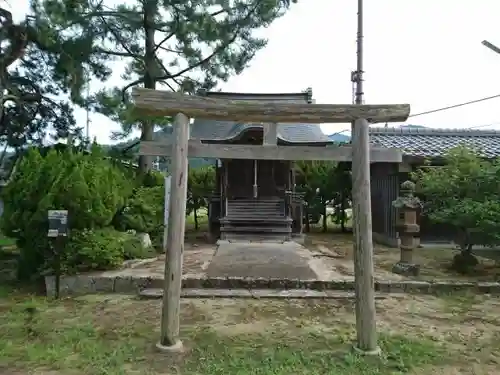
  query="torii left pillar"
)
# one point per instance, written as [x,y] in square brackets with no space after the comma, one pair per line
[170,340]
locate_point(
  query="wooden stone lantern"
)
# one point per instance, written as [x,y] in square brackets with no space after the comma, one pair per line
[408,205]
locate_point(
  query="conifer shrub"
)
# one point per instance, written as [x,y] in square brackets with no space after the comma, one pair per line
[88,185]
[143,210]
[152,179]
[100,249]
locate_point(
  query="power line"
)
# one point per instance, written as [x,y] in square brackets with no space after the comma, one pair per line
[483,126]
[444,109]
[456,105]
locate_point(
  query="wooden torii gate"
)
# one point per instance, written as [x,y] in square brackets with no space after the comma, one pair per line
[183,107]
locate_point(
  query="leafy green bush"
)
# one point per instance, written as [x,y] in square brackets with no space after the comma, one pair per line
[143,211]
[201,183]
[153,179]
[132,247]
[156,237]
[88,185]
[464,193]
[100,249]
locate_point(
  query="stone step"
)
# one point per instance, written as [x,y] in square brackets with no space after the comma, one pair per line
[255,204]
[261,293]
[245,206]
[255,209]
[256,218]
[253,229]
[256,237]
[252,208]
[261,214]
[256,200]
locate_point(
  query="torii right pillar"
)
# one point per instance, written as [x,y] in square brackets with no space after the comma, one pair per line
[408,206]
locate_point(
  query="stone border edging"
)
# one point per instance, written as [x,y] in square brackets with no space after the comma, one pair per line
[262,293]
[85,284]
[134,263]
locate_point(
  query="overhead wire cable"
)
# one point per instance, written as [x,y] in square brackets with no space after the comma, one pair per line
[442,109]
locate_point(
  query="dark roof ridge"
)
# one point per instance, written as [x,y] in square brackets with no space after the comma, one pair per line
[434,131]
[221,131]
[306,95]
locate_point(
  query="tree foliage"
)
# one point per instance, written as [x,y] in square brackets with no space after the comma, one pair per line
[341,186]
[464,193]
[182,45]
[201,183]
[30,109]
[143,211]
[322,183]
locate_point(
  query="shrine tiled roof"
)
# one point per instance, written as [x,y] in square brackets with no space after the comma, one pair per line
[223,131]
[428,142]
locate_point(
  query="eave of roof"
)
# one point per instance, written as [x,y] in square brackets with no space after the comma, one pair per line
[434,143]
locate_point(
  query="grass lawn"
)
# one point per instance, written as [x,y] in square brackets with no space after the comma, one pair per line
[116,335]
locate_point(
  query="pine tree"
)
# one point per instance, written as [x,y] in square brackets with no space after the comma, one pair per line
[30,109]
[176,44]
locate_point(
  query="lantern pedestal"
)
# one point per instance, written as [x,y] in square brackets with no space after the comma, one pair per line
[408,229]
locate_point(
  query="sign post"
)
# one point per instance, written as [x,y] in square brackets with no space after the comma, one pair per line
[58,232]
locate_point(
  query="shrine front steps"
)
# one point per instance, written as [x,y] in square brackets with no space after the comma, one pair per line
[260,238]
[276,232]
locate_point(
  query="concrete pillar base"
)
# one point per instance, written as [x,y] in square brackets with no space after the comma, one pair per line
[178,347]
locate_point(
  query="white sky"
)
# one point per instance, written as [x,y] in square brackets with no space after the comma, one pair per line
[424,52]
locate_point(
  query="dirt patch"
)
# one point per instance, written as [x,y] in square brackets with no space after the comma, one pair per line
[325,257]
[472,369]
[196,259]
[434,262]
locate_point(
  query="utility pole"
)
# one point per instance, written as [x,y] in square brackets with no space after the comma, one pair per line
[491,46]
[362,214]
[357,76]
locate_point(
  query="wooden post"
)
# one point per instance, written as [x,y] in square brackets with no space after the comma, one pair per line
[270,136]
[363,243]
[255,175]
[166,210]
[301,219]
[169,340]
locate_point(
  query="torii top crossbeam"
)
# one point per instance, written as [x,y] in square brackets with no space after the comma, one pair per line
[164,103]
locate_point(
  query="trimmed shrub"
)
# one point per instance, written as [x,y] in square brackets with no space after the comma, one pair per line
[88,185]
[93,249]
[100,249]
[133,249]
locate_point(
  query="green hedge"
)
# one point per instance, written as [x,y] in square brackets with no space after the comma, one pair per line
[88,185]
[100,249]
